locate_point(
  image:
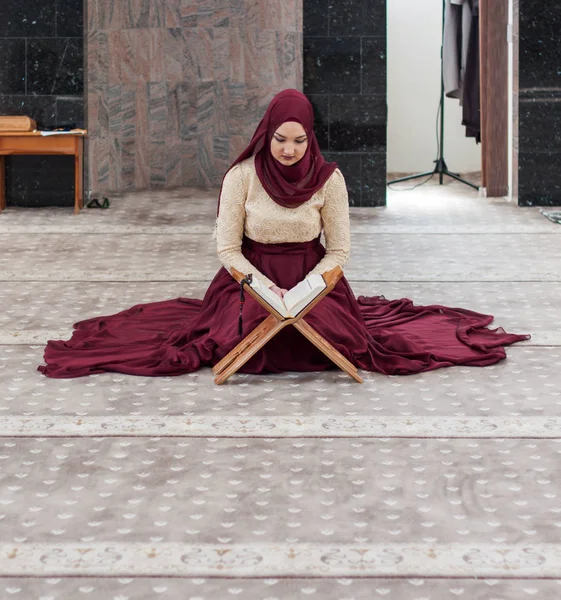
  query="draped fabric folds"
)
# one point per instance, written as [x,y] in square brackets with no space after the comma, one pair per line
[181,335]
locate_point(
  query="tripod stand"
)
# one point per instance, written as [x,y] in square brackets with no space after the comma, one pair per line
[440,168]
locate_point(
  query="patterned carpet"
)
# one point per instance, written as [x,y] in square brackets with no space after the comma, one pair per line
[432,487]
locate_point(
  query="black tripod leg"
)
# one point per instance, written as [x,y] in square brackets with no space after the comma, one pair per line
[410,177]
[454,176]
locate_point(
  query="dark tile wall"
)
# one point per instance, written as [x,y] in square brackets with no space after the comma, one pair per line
[41,76]
[539,141]
[345,79]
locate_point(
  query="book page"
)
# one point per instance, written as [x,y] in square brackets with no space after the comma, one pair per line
[270,297]
[297,298]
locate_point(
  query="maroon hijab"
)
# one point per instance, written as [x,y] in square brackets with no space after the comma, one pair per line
[291,185]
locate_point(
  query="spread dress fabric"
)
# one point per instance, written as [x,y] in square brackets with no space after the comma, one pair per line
[278,241]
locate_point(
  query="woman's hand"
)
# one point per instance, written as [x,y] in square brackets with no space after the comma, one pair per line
[278,291]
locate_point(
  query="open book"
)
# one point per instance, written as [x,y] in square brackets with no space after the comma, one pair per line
[296,299]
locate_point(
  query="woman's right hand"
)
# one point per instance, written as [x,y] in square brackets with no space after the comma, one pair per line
[278,291]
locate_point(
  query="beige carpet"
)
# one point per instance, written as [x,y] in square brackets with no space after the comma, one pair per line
[432,487]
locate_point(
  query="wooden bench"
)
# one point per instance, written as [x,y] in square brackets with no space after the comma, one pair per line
[32,142]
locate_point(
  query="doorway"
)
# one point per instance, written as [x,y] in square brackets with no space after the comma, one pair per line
[414,86]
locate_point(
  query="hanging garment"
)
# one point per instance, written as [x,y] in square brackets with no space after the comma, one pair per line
[457,25]
[460,60]
[471,93]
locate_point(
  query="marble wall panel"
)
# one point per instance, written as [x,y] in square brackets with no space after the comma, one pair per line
[187,113]
[109,161]
[158,157]
[135,55]
[279,15]
[97,59]
[237,108]
[128,112]
[142,153]
[237,146]
[206,101]
[173,163]
[213,13]
[207,170]
[157,111]
[128,163]
[255,42]
[289,50]
[178,86]
[116,50]
[172,13]
[173,121]
[93,111]
[112,15]
[221,53]
[174,48]
[190,162]
[142,162]
[41,76]
[99,107]
[157,13]
[114,110]
[188,13]
[245,13]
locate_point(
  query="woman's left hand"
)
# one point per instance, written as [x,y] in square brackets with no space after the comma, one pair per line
[278,291]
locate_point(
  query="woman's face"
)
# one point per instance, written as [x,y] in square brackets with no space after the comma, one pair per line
[289,143]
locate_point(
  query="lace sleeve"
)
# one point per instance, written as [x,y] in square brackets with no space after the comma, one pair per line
[230,226]
[336,224]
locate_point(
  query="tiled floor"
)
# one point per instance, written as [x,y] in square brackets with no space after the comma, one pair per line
[432,487]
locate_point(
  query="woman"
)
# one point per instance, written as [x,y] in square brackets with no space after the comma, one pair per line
[275,200]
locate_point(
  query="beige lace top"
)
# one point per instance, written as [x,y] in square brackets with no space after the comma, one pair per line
[246,208]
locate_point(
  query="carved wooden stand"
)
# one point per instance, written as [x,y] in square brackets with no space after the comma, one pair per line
[254,341]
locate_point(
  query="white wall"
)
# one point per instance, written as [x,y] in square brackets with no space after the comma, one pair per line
[414,39]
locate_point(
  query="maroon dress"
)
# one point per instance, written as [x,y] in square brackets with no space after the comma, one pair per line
[178,336]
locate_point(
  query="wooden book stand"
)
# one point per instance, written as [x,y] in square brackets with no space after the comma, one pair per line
[254,341]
